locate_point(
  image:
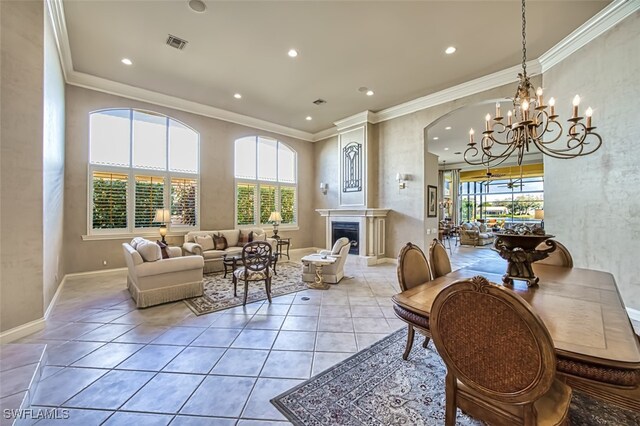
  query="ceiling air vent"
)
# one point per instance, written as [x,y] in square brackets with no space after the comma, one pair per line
[319,102]
[176,42]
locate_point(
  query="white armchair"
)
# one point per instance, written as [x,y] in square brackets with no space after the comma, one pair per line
[331,273]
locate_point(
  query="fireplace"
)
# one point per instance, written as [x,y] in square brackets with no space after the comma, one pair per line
[350,230]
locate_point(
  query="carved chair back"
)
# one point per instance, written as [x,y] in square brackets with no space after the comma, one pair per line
[413,268]
[256,256]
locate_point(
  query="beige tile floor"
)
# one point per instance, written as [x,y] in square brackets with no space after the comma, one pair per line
[109,363]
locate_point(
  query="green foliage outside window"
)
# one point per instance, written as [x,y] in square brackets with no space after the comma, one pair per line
[109,203]
[287,204]
[246,195]
[267,202]
[183,202]
[149,198]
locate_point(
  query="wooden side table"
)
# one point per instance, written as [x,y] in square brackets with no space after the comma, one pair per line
[283,242]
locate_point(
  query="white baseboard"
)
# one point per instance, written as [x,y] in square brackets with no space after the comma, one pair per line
[54,299]
[21,331]
[634,314]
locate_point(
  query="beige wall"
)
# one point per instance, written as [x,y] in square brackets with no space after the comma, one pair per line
[21,165]
[592,203]
[53,167]
[216,178]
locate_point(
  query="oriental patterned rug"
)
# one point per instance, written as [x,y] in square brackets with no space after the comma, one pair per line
[375,387]
[218,291]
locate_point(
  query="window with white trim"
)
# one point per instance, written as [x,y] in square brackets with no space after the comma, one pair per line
[266,181]
[141,161]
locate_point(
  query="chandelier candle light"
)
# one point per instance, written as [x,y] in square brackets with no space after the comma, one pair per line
[531,123]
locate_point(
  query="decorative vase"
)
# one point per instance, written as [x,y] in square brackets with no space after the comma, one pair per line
[518,247]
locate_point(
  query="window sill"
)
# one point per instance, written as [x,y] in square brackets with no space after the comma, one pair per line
[269,228]
[129,236]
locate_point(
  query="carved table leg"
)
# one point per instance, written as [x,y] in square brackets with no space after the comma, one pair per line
[318,282]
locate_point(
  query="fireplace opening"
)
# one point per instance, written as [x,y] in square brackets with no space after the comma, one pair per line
[350,230]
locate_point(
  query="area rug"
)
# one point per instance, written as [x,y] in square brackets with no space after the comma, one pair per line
[218,291]
[376,387]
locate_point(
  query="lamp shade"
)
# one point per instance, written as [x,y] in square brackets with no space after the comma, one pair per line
[539,214]
[275,217]
[163,216]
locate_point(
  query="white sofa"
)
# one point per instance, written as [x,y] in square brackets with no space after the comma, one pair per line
[165,280]
[331,273]
[213,258]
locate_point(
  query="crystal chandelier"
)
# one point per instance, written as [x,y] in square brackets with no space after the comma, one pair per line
[531,124]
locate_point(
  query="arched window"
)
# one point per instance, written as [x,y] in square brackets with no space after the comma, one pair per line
[266,181]
[139,162]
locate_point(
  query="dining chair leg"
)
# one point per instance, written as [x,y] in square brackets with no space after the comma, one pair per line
[426,342]
[450,400]
[246,291]
[267,284]
[234,280]
[410,333]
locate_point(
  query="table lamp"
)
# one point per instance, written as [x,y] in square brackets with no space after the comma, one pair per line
[275,218]
[163,216]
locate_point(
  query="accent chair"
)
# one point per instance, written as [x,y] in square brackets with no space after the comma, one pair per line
[331,273]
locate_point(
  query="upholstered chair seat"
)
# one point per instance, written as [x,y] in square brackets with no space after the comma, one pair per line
[241,272]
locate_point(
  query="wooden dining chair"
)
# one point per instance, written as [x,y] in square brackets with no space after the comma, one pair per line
[439,259]
[559,257]
[413,270]
[500,357]
[256,260]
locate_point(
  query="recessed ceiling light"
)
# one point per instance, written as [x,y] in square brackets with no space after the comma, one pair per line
[369,92]
[436,138]
[126,61]
[308,118]
[448,128]
[446,149]
[237,96]
[197,6]
[292,53]
[450,50]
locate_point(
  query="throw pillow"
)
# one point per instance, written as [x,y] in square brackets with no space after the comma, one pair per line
[244,238]
[258,237]
[163,249]
[135,241]
[220,242]
[149,251]
[205,241]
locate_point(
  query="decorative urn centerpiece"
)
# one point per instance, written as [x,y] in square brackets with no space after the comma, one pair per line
[518,247]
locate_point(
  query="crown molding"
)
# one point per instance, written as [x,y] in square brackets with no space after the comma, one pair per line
[356,119]
[88,81]
[325,134]
[59,24]
[601,22]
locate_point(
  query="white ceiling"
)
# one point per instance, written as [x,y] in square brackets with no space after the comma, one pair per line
[395,48]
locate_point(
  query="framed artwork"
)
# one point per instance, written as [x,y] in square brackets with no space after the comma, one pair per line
[432,201]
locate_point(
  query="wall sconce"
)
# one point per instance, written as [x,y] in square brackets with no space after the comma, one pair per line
[402,180]
[324,187]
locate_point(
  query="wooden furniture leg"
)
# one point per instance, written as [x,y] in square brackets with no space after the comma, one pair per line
[410,334]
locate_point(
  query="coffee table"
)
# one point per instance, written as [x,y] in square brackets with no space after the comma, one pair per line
[319,261]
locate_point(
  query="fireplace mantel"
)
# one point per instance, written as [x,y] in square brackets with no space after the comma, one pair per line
[354,212]
[372,227]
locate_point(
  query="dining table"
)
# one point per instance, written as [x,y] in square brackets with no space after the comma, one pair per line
[597,350]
